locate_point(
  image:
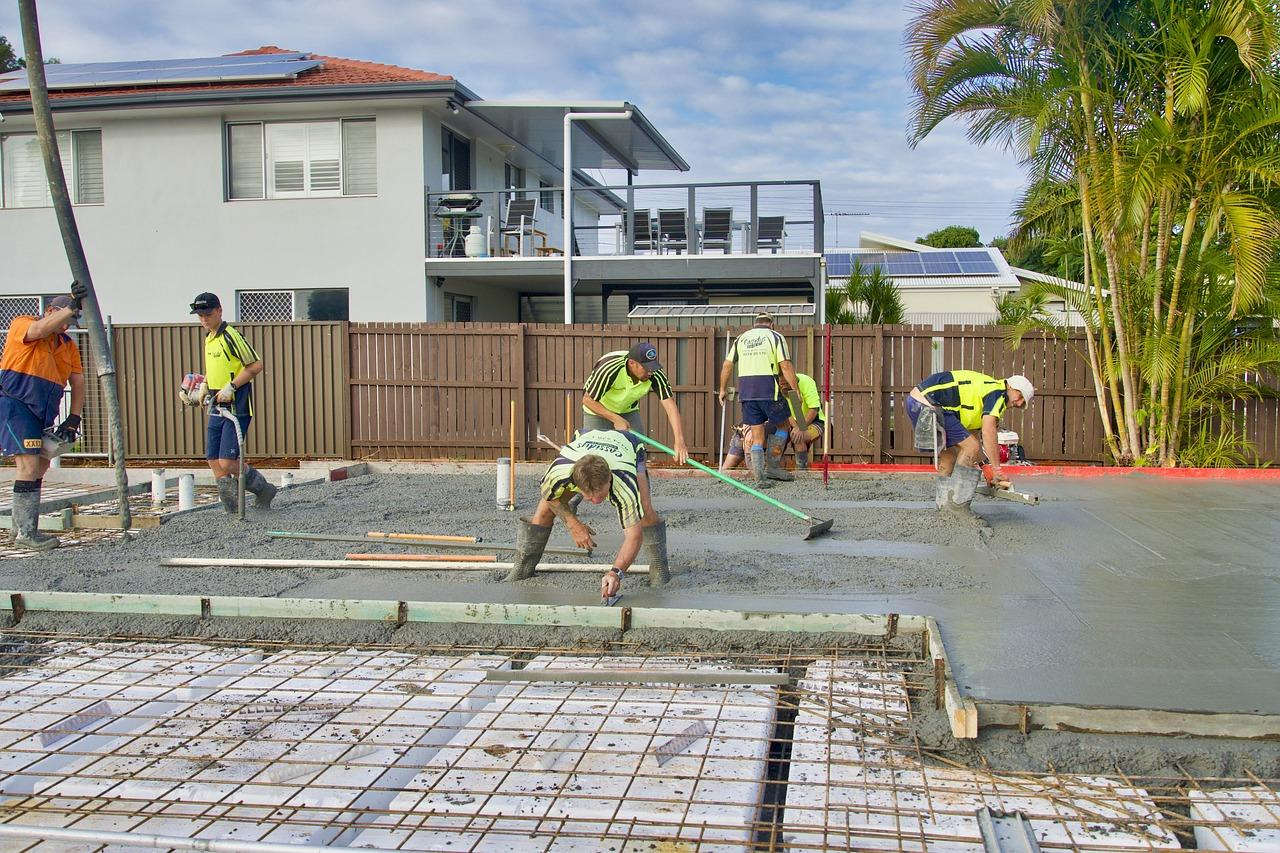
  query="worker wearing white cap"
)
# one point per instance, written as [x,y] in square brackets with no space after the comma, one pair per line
[962,402]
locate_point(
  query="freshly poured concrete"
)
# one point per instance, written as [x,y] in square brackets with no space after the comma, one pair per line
[1132,591]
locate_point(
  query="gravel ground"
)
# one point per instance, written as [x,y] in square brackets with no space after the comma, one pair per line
[717,538]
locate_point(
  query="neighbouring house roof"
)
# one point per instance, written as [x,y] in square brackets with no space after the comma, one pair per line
[332,73]
[745,310]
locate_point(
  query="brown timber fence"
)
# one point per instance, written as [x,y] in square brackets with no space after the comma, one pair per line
[444,391]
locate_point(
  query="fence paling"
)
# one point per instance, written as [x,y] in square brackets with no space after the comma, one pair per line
[430,391]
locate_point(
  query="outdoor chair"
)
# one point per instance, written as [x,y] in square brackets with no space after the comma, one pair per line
[519,222]
[672,232]
[642,235]
[772,234]
[717,228]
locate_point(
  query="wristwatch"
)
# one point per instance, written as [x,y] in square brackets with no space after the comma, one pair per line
[619,572]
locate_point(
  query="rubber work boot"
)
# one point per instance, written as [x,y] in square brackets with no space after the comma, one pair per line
[802,460]
[26,523]
[531,541]
[964,483]
[655,547]
[757,468]
[773,460]
[262,490]
[942,491]
[229,493]
[575,502]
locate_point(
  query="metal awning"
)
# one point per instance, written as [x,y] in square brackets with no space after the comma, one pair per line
[737,311]
[634,145]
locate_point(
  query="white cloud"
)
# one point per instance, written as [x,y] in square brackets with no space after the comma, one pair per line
[788,89]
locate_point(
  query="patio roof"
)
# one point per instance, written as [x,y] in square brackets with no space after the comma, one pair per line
[633,145]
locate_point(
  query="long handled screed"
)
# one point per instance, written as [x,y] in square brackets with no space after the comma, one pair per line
[817,526]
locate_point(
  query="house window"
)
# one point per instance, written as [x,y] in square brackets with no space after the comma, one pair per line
[514,179]
[461,308]
[23,181]
[547,199]
[302,159]
[284,306]
[455,162]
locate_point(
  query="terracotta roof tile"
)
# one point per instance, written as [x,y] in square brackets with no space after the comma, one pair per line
[335,71]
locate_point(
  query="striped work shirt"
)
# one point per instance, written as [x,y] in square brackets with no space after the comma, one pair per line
[967,393]
[621,450]
[612,386]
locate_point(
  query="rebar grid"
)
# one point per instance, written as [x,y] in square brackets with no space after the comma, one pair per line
[410,748]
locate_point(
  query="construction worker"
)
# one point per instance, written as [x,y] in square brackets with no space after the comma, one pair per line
[600,465]
[230,366]
[963,402]
[807,423]
[613,390]
[761,356]
[39,361]
[741,437]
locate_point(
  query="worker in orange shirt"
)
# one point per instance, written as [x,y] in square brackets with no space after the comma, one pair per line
[39,361]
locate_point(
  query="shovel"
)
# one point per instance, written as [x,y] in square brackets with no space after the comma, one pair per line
[817,526]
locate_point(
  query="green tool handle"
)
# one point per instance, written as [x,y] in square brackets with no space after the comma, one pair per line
[724,477]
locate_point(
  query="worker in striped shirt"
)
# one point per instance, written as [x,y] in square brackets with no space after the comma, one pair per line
[619,381]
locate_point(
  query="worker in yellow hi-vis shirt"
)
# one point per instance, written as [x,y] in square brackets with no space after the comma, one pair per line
[230,366]
[761,356]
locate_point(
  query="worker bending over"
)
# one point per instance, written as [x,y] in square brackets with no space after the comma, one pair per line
[760,355]
[962,402]
[39,361]
[230,366]
[600,465]
[806,424]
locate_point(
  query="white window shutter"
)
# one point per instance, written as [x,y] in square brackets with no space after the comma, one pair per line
[244,143]
[359,158]
[286,159]
[88,153]
[324,152]
[24,182]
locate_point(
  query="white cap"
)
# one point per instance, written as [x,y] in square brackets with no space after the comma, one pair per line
[1022,385]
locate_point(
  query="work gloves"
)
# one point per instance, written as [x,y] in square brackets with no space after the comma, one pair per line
[193,390]
[69,430]
[228,393]
[78,294]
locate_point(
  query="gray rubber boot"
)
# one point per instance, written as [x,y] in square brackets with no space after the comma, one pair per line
[757,468]
[942,492]
[964,483]
[575,501]
[802,460]
[262,490]
[773,460]
[531,540]
[655,546]
[229,493]
[26,523]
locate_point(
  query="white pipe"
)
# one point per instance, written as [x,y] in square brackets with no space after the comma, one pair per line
[99,837]
[187,492]
[503,493]
[157,487]
[286,479]
[385,565]
[568,199]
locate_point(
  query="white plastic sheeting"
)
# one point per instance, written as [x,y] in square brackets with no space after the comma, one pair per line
[1246,820]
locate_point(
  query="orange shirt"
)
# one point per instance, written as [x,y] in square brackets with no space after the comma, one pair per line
[36,372]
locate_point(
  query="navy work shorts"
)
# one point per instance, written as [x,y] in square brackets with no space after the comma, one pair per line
[770,412]
[20,430]
[220,438]
[950,421]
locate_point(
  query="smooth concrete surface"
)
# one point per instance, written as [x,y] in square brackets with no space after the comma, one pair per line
[1134,591]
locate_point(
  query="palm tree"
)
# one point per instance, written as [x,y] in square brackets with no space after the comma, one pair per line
[1148,128]
[868,297]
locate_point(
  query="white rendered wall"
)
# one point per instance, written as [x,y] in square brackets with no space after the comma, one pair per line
[165,232]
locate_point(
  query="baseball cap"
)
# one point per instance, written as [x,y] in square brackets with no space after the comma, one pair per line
[764,317]
[1023,385]
[645,353]
[205,302]
[61,302]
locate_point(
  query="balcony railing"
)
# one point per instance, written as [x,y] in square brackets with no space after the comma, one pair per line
[727,218]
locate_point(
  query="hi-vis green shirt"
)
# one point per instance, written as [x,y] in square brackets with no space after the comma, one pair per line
[226,353]
[809,398]
[967,393]
[612,386]
[621,450]
[757,354]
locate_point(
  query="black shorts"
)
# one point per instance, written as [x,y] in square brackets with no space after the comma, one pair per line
[21,432]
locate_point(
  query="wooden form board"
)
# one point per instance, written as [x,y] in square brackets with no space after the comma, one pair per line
[961,711]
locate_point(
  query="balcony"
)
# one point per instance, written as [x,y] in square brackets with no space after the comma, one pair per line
[718,220]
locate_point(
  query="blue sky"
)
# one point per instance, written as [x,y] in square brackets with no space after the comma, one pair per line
[762,89]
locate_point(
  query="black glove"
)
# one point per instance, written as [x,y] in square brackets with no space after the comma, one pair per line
[69,429]
[78,293]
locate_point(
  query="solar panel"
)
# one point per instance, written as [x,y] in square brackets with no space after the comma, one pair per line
[838,264]
[161,71]
[940,263]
